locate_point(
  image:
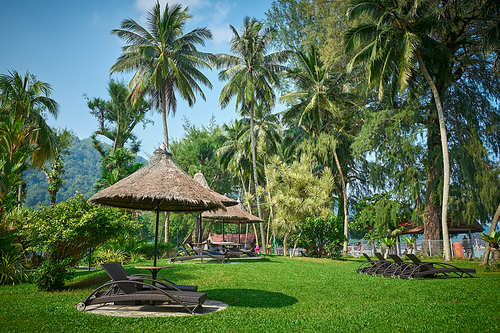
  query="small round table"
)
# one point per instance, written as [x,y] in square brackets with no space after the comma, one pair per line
[154,270]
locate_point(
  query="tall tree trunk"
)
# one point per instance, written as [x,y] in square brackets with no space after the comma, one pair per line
[256,181]
[432,227]
[118,129]
[493,226]
[446,158]
[284,244]
[167,227]
[344,194]
[271,213]
[164,116]
[20,195]
[52,197]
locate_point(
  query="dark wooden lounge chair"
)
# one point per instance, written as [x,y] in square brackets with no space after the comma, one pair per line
[372,267]
[422,269]
[395,268]
[366,265]
[383,264]
[108,267]
[122,290]
[193,253]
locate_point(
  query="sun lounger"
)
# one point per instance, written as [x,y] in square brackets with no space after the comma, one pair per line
[194,253]
[422,269]
[110,268]
[122,290]
[366,265]
[372,267]
[383,264]
[395,268]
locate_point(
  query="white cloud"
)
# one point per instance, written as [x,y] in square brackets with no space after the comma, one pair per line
[218,24]
[204,12]
[96,17]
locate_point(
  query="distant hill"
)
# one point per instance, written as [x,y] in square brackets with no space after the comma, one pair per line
[82,171]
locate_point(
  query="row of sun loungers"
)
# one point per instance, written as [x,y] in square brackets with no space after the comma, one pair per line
[126,289]
[398,268]
[189,252]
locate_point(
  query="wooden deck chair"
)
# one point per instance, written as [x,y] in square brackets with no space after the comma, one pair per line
[383,264]
[422,269]
[189,252]
[366,265]
[149,276]
[395,268]
[123,290]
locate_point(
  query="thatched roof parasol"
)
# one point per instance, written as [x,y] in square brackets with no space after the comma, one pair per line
[234,214]
[163,185]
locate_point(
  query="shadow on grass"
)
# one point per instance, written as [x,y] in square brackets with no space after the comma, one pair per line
[251,260]
[251,298]
[91,282]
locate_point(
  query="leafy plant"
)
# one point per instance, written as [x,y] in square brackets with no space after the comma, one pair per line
[493,240]
[106,255]
[322,237]
[69,228]
[11,270]
[388,242]
[51,275]
[410,241]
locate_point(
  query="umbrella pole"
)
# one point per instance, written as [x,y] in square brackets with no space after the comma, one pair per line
[239,233]
[156,235]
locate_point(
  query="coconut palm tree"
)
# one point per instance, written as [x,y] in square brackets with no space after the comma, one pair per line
[164,59]
[15,150]
[391,44]
[232,152]
[315,106]
[28,98]
[251,72]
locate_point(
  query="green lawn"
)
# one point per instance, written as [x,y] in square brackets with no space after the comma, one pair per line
[277,294]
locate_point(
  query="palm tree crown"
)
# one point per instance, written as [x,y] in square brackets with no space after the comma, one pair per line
[165,60]
[25,97]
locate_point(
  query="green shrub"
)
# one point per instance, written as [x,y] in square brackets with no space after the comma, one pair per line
[11,269]
[322,237]
[165,250]
[69,228]
[107,255]
[51,276]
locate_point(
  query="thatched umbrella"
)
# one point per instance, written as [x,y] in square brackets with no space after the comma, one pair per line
[161,185]
[235,214]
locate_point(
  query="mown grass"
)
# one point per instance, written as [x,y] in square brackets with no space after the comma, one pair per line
[276,294]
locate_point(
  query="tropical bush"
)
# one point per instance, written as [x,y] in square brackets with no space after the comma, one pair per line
[65,231]
[69,228]
[52,275]
[494,242]
[11,268]
[322,237]
[106,255]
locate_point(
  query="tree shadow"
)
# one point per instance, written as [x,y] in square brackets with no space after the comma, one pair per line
[251,298]
[91,282]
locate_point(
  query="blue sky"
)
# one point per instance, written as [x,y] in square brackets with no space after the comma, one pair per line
[68,45]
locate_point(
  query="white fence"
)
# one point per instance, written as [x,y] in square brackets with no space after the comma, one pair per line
[431,248]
